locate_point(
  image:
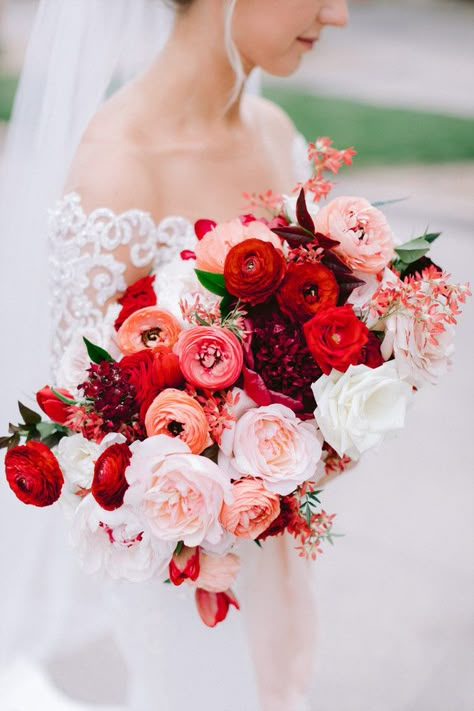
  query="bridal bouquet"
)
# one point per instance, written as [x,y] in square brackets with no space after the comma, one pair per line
[225,393]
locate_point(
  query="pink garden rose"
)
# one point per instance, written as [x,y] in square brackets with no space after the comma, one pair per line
[252,511]
[212,250]
[217,572]
[366,240]
[273,444]
[210,357]
[179,494]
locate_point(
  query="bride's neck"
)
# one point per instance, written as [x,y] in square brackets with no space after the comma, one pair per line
[192,80]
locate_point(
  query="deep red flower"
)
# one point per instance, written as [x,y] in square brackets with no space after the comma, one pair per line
[52,406]
[213,607]
[253,270]
[370,354]
[112,395]
[185,565]
[335,337]
[137,296]
[306,288]
[109,483]
[289,510]
[33,474]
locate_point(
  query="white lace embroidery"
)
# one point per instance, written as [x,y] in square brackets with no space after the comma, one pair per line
[85,270]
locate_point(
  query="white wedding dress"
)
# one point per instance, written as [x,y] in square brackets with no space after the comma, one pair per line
[175,661]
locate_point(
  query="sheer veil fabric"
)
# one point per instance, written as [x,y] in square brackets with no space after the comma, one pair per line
[77,51]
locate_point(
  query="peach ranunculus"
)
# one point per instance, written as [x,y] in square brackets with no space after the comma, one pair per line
[148,328]
[179,494]
[217,573]
[366,239]
[210,357]
[211,251]
[273,444]
[176,414]
[252,511]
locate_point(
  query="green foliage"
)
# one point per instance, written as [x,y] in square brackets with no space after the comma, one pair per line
[212,282]
[96,353]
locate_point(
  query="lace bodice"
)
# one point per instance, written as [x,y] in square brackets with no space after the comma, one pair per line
[89,253]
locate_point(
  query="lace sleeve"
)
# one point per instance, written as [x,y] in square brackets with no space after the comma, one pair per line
[301,164]
[89,257]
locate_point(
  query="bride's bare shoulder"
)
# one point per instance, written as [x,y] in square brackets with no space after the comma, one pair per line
[272,118]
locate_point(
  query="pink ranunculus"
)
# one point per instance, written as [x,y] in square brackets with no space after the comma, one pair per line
[213,248]
[210,357]
[178,493]
[217,572]
[366,239]
[272,443]
[252,511]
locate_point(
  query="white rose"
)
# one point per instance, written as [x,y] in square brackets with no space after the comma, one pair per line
[356,409]
[77,456]
[274,444]
[419,360]
[289,207]
[117,543]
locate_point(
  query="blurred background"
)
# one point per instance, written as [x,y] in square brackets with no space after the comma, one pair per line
[396,622]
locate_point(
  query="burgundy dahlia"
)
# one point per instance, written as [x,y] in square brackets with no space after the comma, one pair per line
[112,395]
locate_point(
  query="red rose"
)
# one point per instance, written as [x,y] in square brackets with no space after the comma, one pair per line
[56,409]
[185,565]
[335,337]
[254,270]
[109,483]
[137,296]
[33,474]
[306,288]
[213,607]
[370,354]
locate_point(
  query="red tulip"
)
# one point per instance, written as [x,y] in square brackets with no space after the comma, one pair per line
[213,607]
[56,409]
[185,565]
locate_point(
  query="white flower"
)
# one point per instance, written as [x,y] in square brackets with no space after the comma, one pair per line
[274,444]
[116,543]
[77,456]
[419,359]
[360,298]
[356,409]
[179,281]
[289,207]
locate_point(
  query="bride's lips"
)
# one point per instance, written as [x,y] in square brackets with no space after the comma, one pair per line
[308,42]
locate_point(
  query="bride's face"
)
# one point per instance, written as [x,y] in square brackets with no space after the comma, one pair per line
[276,34]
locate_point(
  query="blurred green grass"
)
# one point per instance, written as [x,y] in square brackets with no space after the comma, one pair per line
[381,135]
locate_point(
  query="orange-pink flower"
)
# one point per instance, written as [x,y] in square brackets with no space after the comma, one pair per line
[148,328]
[210,357]
[212,250]
[366,240]
[217,573]
[176,414]
[252,511]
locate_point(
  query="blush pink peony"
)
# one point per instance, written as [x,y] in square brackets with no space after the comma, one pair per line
[212,250]
[366,239]
[252,511]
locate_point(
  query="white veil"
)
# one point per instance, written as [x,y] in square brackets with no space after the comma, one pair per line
[77,50]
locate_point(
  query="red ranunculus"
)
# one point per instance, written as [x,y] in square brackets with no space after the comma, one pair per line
[335,338]
[306,288]
[213,607]
[254,270]
[185,565]
[57,410]
[137,296]
[370,354]
[109,483]
[33,474]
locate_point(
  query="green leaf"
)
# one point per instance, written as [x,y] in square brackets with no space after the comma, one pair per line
[96,353]
[178,548]
[5,442]
[431,236]
[380,203]
[259,543]
[29,416]
[214,283]
[66,400]
[413,250]
[226,305]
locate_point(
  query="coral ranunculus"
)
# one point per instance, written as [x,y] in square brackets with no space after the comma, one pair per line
[176,414]
[252,511]
[109,483]
[33,474]
[137,296]
[57,410]
[210,357]
[254,270]
[336,337]
[305,289]
[148,328]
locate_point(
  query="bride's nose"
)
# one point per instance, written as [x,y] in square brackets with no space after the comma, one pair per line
[334,13]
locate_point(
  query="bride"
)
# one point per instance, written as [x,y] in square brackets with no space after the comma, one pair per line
[180,140]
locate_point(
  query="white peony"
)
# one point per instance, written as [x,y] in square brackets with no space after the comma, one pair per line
[419,360]
[179,281]
[77,456]
[117,544]
[272,443]
[356,409]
